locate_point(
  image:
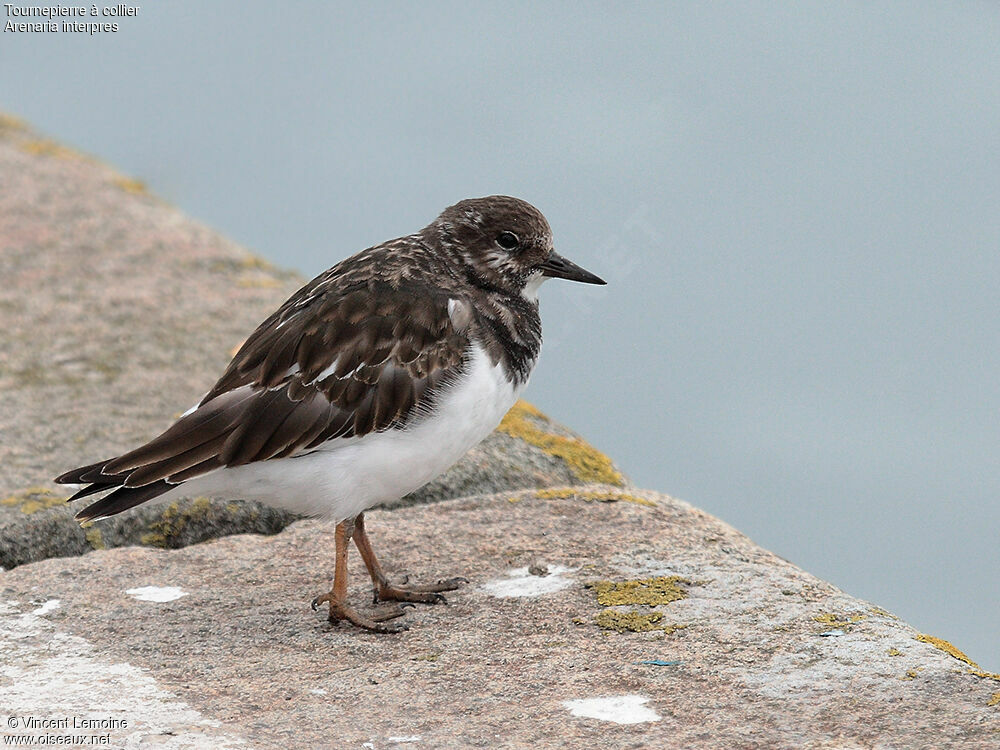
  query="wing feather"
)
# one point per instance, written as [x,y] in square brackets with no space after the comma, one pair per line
[385,352]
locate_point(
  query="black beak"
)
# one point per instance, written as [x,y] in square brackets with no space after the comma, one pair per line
[557,267]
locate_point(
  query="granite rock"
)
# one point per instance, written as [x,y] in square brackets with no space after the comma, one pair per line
[595,617]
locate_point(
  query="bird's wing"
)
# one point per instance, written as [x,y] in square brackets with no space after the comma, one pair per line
[330,363]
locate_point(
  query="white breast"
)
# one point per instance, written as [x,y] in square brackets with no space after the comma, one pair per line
[345,477]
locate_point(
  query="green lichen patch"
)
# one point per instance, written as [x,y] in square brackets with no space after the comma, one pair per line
[648,591]
[587,463]
[608,496]
[633,621]
[94,538]
[34,499]
[174,518]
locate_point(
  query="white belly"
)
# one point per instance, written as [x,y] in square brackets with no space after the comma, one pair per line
[344,477]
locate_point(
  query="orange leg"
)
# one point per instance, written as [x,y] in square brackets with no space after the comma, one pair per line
[383,589]
[337,596]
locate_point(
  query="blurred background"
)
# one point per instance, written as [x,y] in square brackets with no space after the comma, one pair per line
[796,206]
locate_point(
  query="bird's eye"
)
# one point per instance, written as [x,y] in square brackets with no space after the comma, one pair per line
[507,240]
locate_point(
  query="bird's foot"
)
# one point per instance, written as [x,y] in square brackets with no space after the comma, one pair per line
[427,593]
[373,622]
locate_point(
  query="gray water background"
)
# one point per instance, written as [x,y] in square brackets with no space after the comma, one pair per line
[797,207]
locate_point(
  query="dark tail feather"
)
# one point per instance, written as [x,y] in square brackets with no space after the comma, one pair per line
[93,489]
[122,499]
[93,477]
[76,476]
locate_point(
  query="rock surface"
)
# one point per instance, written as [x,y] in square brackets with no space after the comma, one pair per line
[745,649]
[595,616]
[119,312]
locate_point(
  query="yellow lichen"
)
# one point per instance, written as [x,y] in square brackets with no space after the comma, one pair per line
[131,185]
[45,147]
[911,674]
[632,621]
[586,462]
[160,531]
[199,508]
[884,613]
[259,282]
[994,701]
[173,520]
[894,652]
[429,656]
[94,538]
[248,262]
[979,672]
[9,122]
[648,591]
[34,499]
[608,496]
[254,261]
[836,621]
[943,645]
[524,409]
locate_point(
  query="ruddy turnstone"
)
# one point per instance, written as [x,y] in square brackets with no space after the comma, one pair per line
[371,380]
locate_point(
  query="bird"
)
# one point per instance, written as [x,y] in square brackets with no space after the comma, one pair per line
[367,383]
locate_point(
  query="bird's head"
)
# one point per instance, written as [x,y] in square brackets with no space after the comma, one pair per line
[504,243]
